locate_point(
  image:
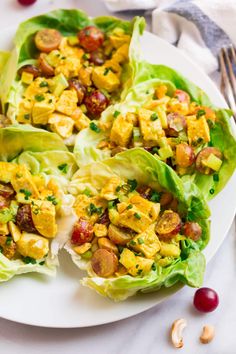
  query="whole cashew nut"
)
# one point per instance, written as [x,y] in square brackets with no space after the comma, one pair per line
[176,332]
[208,333]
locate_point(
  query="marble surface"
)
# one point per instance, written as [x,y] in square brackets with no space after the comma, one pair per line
[146,333]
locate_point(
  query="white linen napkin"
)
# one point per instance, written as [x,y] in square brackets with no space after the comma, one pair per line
[198,27]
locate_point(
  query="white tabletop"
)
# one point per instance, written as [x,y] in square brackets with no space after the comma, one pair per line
[148,332]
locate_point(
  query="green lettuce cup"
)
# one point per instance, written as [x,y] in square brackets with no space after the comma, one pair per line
[67,68]
[138,228]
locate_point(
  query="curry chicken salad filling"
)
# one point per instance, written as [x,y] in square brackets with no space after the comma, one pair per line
[174,129]
[73,80]
[28,210]
[129,229]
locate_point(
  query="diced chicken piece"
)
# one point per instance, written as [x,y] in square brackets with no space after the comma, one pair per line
[82,248]
[118,41]
[67,102]
[104,78]
[114,66]
[83,203]
[44,217]
[169,250]
[127,258]
[35,88]
[132,118]
[121,131]
[85,76]
[68,51]
[151,129]
[24,112]
[142,266]
[8,248]
[4,229]
[174,105]
[134,219]
[15,231]
[147,242]
[22,180]
[34,246]
[42,110]
[80,119]
[61,124]
[100,230]
[149,208]
[197,129]
[69,67]
[7,170]
[109,190]
[122,53]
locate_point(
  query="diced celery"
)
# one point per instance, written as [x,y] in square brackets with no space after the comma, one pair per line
[59,84]
[27,78]
[213,162]
[73,40]
[87,255]
[53,58]
[163,142]
[162,116]
[136,134]
[165,152]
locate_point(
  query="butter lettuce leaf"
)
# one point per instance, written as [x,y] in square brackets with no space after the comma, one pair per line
[147,170]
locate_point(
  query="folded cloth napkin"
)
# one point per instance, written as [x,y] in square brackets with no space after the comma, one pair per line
[198,27]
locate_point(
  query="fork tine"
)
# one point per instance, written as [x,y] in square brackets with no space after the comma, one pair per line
[228,81]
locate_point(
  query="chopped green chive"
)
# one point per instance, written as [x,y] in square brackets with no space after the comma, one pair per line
[27,116]
[120,248]
[154,267]
[116,113]
[155,150]
[43,84]
[50,101]
[28,260]
[8,241]
[118,188]
[94,127]
[85,56]
[139,272]
[201,112]
[92,209]
[132,243]
[106,71]
[155,197]
[53,199]
[130,206]
[39,98]
[154,116]
[63,168]
[199,140]
[211,191]
[137,216]
[133,184]
[42,263]
[216,177]
[111,204]
[140,240]
[26,193]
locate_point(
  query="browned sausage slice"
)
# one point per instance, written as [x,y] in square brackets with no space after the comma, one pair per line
[47,40]
[104,263]
[169,224]
[118,236]
[30,69]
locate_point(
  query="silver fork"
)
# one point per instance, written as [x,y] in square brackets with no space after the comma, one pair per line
[227,60]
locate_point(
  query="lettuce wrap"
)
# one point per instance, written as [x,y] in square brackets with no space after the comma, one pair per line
[98,145]
[33,181]
[33,95]
[139,169]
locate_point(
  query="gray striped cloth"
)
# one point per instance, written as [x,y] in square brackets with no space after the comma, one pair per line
[198,27]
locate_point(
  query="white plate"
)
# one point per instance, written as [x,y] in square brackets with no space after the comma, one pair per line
[62,302]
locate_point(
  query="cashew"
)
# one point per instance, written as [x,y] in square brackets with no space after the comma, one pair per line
[208,333]
[176,332]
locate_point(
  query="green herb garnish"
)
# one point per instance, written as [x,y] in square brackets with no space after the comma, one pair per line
[155,197]
[26,193]
[216,177]
[140,240]
[139,272]
[85,56]
[39,98]
[53,199]
[116,113]
[8,241]
[106,71]
[154,116]
[111,204]
[211,191]
[87,192]
[132,243]
[200,112]
[63,168]
[155,150]
[154,267]
[137,216]
[28,260]
[27,116]
[42,263]
[94,127]
[43,84]
[130,206]
[92,209]
[133,184]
